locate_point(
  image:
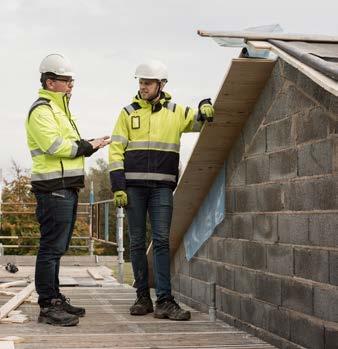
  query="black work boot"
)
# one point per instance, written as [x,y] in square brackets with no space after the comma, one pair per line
[70,309]
[142,306]
[168,308]
[54,314]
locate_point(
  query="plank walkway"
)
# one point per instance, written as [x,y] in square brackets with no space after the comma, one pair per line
[108,324]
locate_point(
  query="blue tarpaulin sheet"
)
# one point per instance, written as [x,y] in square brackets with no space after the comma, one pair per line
[210,214]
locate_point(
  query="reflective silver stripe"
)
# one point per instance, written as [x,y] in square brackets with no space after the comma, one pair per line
[56,174]
[129,109]
[150,176]
[171,106]
[54,147]
[46,176]
[116,165]
[73,173]
[36,152]
[157,145]
[197,124]
[74,150]
[119,139]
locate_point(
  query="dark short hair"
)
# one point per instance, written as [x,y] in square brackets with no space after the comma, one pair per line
[45,76]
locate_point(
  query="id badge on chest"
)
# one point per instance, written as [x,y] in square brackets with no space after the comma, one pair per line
[135,122]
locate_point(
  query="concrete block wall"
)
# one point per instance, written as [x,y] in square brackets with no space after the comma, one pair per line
[274,258]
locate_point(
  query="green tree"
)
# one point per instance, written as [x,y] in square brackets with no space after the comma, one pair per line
[18,212]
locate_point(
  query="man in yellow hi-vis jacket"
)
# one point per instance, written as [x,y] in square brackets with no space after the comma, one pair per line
[58,153]
[143,163]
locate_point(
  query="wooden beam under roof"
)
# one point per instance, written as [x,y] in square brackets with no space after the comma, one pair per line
[235,101]
[266,36]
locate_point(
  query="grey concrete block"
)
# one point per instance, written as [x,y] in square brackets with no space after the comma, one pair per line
[255,312]
[258,144]
[269,198]
[200,291]
[216,249]
[233,251]
[289,72]
[297,296]
[230,200]
[335,152]
[257,169]
[268,288]
[267,96]
[238,177]
[323,229]
[279,323]
[293,228]
[185,285]
[254,254]
[203,250]
[312,89]
[245,199]
[245,281]
[200,269]
[231,303]
[333,105]
[306,332]
[283,164]
[318,194]
[242,226]
[313,125]
[326,303]
[288,102]
[218,303]
[235,155]
[279,108]
[333,268]
[225,276]
[224,229]
[315,159]
[280,259]
[279,135]
[185,267]
[175,282]
[323,97]
[265,227]
[312,264]
[298,101]
[331,337]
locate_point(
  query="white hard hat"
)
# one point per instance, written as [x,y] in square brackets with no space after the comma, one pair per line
[57,64]
[152,70]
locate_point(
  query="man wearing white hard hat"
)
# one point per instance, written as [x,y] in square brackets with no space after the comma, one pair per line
[143,164]
[57,152]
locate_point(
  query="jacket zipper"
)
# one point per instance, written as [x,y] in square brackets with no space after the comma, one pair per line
[151,113]
[69,117]
[71,121]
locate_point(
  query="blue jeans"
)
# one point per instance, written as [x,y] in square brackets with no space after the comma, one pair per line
[56,214]
[158,202]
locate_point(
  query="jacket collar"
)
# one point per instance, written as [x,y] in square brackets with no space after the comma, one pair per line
[164,98]
[59,98]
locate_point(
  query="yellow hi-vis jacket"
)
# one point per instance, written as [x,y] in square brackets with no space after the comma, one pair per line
[146,143]
[53,140]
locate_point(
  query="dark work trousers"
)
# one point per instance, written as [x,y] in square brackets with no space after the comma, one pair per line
[56,214]
[158,203]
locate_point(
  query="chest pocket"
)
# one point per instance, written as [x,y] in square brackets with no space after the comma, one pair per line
[135,122]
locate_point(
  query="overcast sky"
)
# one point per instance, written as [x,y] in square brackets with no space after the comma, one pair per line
[106,40]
